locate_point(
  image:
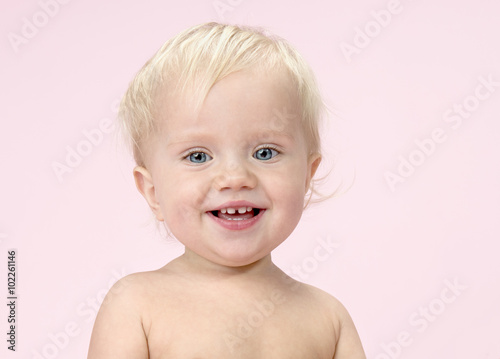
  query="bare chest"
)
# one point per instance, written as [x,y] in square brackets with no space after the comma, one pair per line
[266,327]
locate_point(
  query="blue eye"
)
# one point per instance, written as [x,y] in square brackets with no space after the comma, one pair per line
[265,154]
[198,157]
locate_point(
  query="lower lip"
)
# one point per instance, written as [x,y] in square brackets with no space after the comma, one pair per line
[237,225]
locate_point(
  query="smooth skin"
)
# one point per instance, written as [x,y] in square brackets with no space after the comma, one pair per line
[224,297]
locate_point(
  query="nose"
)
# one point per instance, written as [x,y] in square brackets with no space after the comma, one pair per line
[235,176]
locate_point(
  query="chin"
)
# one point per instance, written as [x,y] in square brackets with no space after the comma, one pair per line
[239,259]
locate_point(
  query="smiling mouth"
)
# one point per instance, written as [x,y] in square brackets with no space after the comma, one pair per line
[236,214]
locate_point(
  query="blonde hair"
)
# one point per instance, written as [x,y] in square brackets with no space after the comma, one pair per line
[194,60]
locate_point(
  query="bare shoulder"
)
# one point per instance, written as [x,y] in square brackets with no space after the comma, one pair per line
[328,302]
[348,341]
[129,291]
[120,329]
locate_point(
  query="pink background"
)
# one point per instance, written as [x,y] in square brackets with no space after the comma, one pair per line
[395,250]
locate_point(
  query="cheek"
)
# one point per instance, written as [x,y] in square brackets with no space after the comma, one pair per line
[183,196]
[292,179]
[289,191]
[172,196]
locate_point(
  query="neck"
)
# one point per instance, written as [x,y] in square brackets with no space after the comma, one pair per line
[197,265]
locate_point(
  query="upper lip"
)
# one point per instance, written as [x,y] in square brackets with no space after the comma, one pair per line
[235,204]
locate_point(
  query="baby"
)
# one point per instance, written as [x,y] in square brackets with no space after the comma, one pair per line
[223,123]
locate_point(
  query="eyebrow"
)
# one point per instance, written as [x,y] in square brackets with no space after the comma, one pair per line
[271,133]
[196,136]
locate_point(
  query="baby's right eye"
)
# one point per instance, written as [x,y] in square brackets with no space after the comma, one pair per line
[198,157]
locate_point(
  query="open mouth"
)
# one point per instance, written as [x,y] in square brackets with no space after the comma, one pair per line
[236,214]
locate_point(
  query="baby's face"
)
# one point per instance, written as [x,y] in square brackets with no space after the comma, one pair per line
[230,181]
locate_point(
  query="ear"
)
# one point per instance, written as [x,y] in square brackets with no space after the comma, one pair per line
[312,166]
[144,183]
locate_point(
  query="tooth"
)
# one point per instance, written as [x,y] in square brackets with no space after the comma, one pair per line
[231,211]
[242,210]
[223,210]
[249,209]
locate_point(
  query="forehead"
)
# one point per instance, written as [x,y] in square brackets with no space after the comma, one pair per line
[247,98]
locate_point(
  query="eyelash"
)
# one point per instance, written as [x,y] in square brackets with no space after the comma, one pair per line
[271,147]
[193,151]
[199,150]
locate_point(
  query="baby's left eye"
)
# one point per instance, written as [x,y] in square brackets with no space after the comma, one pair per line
[265,154]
